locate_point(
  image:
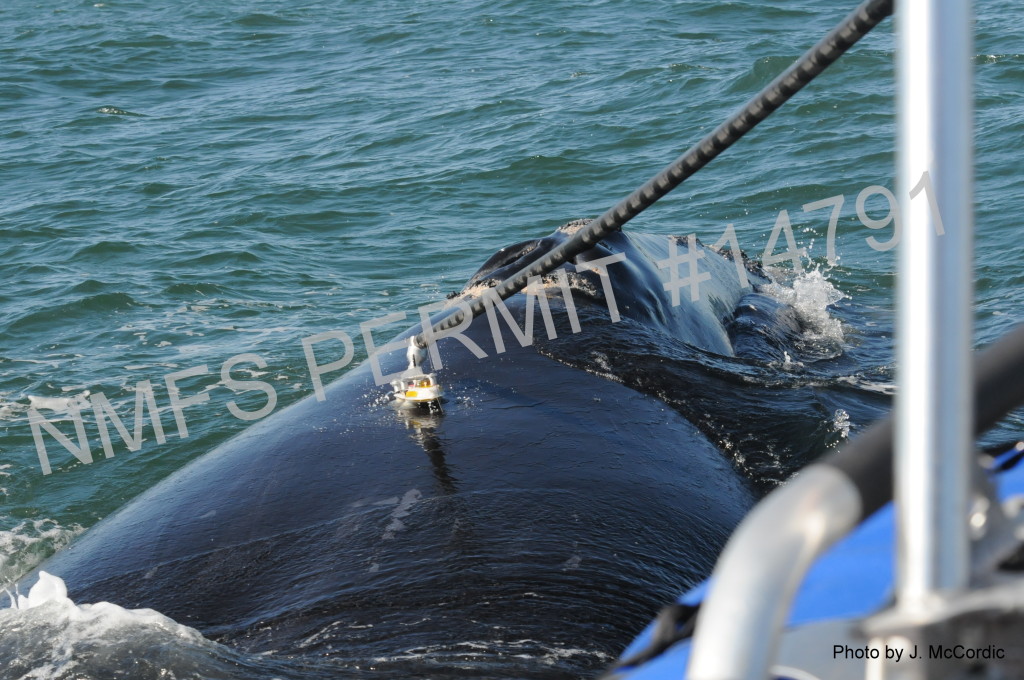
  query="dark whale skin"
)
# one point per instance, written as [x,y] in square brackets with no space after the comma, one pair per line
[546,503]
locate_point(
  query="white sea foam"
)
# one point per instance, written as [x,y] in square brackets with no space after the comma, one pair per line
[486,650]
[11,410]
[30,542]
[886,388]
[60,404]
[60,407]
[51,364]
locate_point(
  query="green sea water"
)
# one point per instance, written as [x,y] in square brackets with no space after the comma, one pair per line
[184,182]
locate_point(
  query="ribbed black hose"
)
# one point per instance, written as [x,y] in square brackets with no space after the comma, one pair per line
[775,94]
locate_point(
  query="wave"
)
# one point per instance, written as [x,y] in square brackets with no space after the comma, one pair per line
[90,305]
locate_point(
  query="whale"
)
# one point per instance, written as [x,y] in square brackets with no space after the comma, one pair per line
[524,529]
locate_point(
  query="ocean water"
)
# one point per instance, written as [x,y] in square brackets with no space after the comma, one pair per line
[184,182]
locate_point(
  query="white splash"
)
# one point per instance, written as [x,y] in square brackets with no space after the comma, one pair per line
[811,295]
[57,638]
[87,622]
[789,363]
[48,588]
[841,423]
[93,620]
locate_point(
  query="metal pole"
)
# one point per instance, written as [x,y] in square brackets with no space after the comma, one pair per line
[935,292]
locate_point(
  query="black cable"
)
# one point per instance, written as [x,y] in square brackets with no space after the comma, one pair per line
[854,27]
